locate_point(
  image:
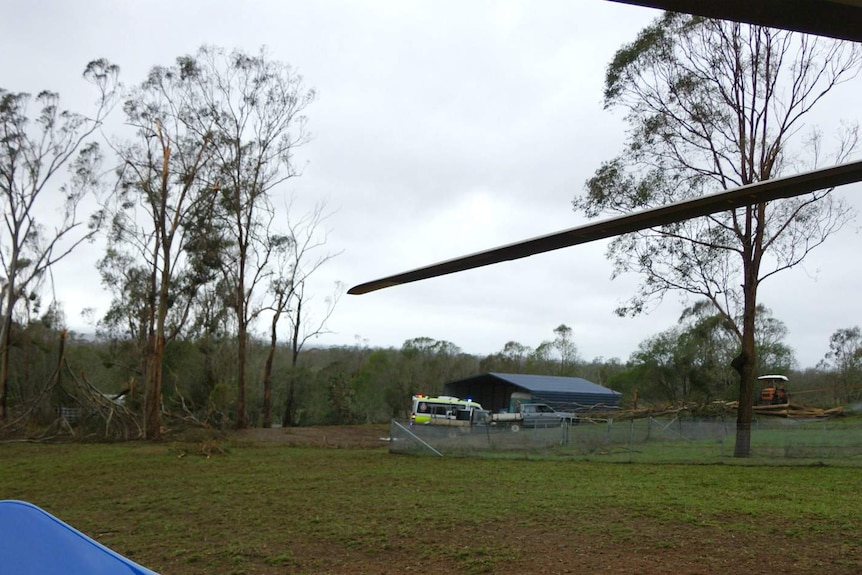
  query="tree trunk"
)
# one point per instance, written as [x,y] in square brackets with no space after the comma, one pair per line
[5,340]
[153,405]
[746,362]
[242,332]
[241,416]
[267,375]
[4,367]
[290,402]
[280,304]
[153,398]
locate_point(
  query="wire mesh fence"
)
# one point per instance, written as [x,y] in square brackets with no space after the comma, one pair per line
[650,440]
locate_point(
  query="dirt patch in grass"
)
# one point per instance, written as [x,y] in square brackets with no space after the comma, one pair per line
[506,548]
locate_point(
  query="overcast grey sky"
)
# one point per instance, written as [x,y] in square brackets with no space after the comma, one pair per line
[441,128]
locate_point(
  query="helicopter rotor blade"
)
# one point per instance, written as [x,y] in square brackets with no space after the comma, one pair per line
[679,211]
[834,18]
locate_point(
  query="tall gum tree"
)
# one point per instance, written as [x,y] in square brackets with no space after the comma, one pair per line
[32,152]
[164,202]
[256,106]
[712,105]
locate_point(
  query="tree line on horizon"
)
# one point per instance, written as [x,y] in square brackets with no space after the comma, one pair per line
[682,366]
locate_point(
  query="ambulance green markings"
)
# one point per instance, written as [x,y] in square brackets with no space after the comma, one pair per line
[445,410]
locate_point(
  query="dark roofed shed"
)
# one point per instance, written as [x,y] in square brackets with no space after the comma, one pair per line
[495,391]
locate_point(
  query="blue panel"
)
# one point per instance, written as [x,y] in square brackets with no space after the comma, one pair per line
[34,542]
[554,383]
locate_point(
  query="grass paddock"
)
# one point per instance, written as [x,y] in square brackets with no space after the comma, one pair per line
[188,509]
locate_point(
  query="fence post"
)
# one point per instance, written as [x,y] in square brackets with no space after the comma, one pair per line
[823,443]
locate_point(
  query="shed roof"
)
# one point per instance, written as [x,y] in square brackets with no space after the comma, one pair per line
[552,383]
[537,383]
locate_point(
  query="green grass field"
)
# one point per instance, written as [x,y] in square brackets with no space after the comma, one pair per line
[258,509]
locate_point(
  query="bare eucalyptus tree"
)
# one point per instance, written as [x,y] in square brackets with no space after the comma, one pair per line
[298,257]
[32,152]
[713,105]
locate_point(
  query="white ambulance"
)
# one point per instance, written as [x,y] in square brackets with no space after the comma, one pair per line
[445,410]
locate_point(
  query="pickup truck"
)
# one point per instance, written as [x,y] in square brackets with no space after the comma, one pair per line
[533,415]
